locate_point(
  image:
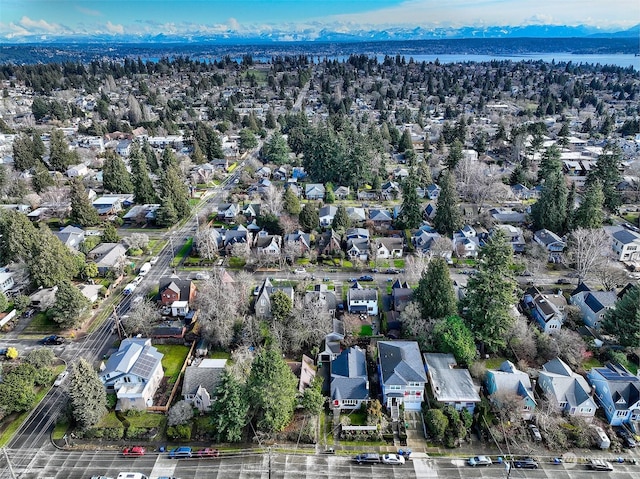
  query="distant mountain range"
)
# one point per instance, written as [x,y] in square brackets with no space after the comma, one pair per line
[329,35]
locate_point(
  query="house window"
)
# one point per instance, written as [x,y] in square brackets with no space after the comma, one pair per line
[585,409]
[563,404]
[350,402]
[395,388]
[415,385]
[621,413]
[526,408]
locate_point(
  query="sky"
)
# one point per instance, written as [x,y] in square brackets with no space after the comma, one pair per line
[50,18]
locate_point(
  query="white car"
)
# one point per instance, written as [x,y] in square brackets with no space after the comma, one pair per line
[60,379]
[154,260]
[299,271]
[479,461]
[393,459]
[202,275]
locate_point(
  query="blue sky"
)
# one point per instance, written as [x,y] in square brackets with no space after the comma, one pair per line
[49,18]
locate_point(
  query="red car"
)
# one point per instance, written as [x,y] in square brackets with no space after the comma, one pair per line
[208,452]
[133,451]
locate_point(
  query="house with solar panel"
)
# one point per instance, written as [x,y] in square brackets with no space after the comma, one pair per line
[133,374]
[618,392]
[349,380]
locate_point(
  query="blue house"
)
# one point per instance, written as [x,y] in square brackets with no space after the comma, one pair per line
[510,380]
[349,380]
[618,392]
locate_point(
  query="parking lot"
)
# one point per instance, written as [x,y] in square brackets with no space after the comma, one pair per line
[55,464]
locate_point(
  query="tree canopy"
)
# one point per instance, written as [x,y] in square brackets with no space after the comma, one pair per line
[435,293]
[448,218]
[623,321]
[87,396]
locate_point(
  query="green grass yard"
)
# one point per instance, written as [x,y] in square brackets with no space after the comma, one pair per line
[173,359]
[42,325]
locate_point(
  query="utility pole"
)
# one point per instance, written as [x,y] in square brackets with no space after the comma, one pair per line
[269,462]
[13,474]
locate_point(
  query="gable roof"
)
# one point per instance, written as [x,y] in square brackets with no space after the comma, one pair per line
[400,362]
[510,378]
[135,356]
[206,374]
[448,383]
[623,386]
[349,378]
[182,286]
[564,384]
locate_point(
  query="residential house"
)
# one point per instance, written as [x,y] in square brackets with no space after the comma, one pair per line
[227,212]
[402,375]
[6,281]
[507,215]
[262,304]
[124,148]
[108,204]
[90,291]
[568,391]
[356,215]
[400,173]
[172,289]
[547,310]
[510,380]
[314,191]
[201,379]
[626,243]
[108,257]
[362,300]
[342,192]
[552,243]
[381,218]
[401,294]
[618,392]
[299,239]
[387,248]
[514,236]
[142,214]
[268,245]
[326,215]
[390,190]
[264,172]
[77,170]
[332,342]
[353,233]
[71,236]
[450,385]
[260,187]
[320,298]
[236,235]
[133,374]
[349,379]
[433,191]
[304,370]
[43,298]
[329,243]
[358,248]
[593,304]
[280,174]
[251,211]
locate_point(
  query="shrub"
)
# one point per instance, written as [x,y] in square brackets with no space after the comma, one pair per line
[180,431]
[112,399]
[136,432]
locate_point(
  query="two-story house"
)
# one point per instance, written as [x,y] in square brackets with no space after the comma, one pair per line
[326,215]
[268,245]
[329,243]
[550,242]
[108,257]
[547,310]
[262,304]
[593,304]
[173,289]
[349,379]
[362,300]
[227,212]
[568,391]
[510,380]
[625,243]
[402,375]
[450,385]
[201,379]
[133,374]
[618,392]
[314,191]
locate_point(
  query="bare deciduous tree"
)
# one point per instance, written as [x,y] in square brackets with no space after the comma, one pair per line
[58,200]
[272,200]
[415,325]
[610,274]
[207,242]
[414,266]
[587,250]
[241,359]
[137,241]
[521,339]
[141,319]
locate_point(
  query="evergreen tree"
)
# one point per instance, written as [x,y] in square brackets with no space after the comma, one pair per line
[271,391]
[18,236]
[607,171]
[341,220]
[150,156]
[23,155]
[41,178]
[166,215]
[411,213]
[291,202]
[82,211]
[143,191]
[435,293]
[69,305]
[563,135]
[491,293]
[276,150]
[229,410]
[405,142]
[309,217]
[115,177]
[175,192]
[424,173]
[550,211]
[448,217]
[550,163]
[110,234]
[197,156]
[451,335]
[590,213]
[87,395]
[38,146]
[60,157]
[571,202]
[455,155]
[248,139]
[623,321]
[50,262]
[329,195]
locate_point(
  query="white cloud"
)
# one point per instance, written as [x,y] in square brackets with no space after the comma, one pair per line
[112,28]
[39,25]
[89,11]
[233,24]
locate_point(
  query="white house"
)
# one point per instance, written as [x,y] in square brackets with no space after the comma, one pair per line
[569,391]
[626,244]
[389,248]
[6,281]
[362,300]
[77,170]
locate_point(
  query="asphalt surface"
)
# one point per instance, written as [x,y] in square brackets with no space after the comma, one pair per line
[57,464]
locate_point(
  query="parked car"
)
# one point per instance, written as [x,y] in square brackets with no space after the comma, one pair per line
[392,271]
[479,461]
[300,271]
[54,339]
[393,459]
[599,465]
[367,458]
[154,260]
[256,291]
[202,275]
[60,379]
[563,281]
[627,438]
[179,452]
[535,433]
[365,277]
[101,477]
[352,280]
[208,452]
[526,463]
[134,451]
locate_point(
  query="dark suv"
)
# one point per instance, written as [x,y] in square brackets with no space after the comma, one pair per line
[367,458]
[52,340]
[526,463]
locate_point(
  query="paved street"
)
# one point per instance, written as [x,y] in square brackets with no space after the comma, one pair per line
[55,464]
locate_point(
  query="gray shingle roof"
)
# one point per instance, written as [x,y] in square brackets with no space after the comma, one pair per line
[448,383]
[349,378]
[401,362]
[206,374]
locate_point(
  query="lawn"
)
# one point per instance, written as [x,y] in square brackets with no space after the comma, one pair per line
[366,330]
[219,355]
[184,251]
[358,418]
[494,363]
[145,420]
[173,359]
[41,324]
[236,263]
[591,363]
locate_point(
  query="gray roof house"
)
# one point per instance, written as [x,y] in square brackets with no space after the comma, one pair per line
[451,386]
[108,256]
[133,374]
[349,380]
[569,391]
[314,191]
[200,382]
[71,236]
[362,300]
[402,375]
[593,304]
[263,301]
[326,215]
[510,380]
